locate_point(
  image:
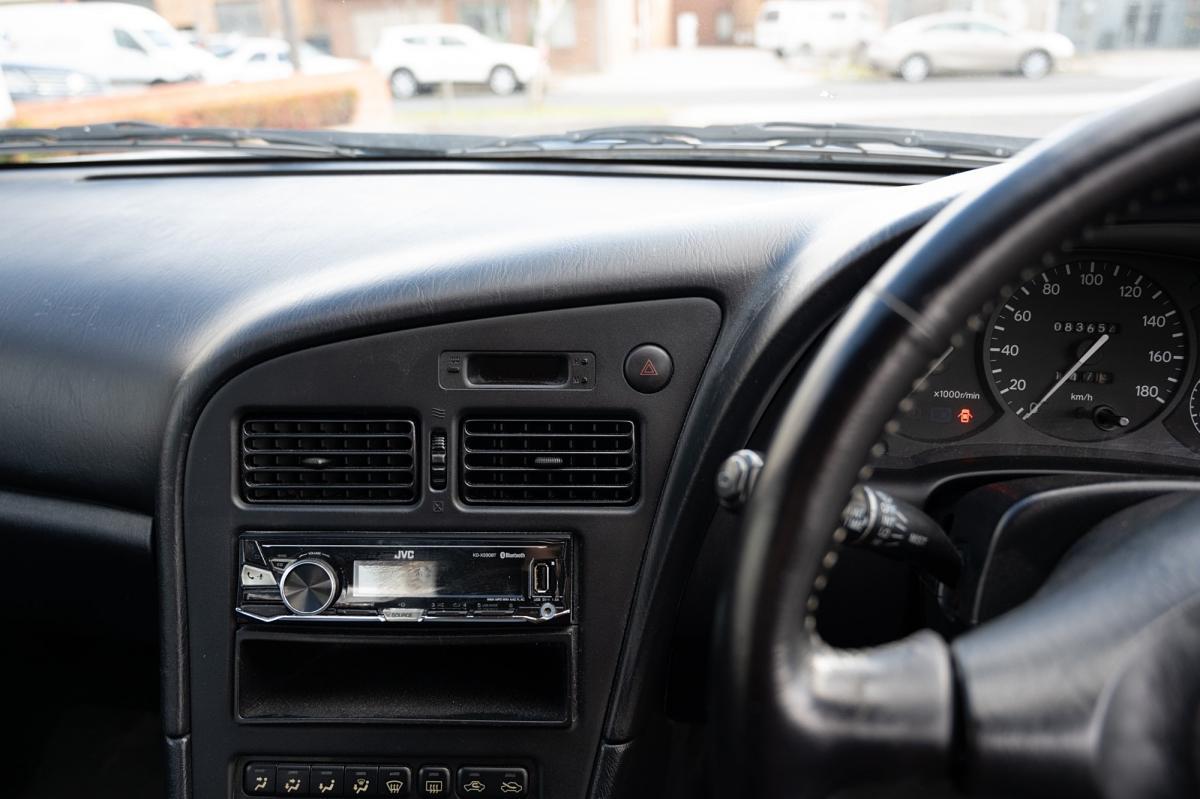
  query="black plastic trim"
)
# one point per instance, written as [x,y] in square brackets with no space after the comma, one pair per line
[871,175]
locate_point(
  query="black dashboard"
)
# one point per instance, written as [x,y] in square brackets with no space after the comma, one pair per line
[469,662]
[280,364]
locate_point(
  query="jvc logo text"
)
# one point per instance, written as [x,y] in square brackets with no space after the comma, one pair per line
[405,554]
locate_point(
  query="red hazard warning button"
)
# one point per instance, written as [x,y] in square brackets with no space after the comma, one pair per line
[648,368]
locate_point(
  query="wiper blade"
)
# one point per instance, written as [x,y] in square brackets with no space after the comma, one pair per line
[791,140]
[771,137]
[124,136]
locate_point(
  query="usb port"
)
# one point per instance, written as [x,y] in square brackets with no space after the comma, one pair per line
[541,578]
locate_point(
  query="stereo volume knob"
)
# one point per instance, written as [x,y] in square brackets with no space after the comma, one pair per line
[308,586]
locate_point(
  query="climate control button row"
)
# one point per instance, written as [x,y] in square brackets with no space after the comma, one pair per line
[282,780]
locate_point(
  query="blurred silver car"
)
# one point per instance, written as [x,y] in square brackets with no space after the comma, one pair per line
[959,42]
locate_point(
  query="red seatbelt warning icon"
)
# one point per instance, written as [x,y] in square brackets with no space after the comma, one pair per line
[648,369]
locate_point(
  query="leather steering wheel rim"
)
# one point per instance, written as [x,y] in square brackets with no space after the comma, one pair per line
[795,716]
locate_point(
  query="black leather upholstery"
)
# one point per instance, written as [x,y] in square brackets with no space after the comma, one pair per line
[1095,677]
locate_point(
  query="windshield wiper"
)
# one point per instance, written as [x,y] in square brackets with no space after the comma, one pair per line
[795,140]
[790,141]
[127,136]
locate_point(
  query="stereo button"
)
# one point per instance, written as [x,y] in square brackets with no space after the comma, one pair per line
[402,614]
[259,779]
[493,608]
[253,576]
[252,554]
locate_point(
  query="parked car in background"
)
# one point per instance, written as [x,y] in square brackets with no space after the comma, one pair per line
[7,109]
[29,81]
[966,43]
[815,27]
[414,57]
[260,58]
[116,42]
[221,44]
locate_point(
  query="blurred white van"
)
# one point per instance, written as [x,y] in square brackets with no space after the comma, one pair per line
[116,42]
[816,27]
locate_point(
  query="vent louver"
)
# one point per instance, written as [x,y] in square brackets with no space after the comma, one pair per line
[329,460]
[549,461]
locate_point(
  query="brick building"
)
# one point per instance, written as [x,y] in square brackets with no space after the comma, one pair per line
[1131,23]
[586,35]
[720,22]
[593,34]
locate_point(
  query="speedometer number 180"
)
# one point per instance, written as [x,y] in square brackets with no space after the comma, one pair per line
[1087,350]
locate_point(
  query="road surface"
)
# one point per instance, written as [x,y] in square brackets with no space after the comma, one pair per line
[725,86]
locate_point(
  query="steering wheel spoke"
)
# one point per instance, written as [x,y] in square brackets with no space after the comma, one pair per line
[881,711]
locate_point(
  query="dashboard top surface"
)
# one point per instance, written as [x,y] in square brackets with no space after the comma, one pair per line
[127,286]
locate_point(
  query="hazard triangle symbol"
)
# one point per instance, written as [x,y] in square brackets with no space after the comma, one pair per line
[648,369]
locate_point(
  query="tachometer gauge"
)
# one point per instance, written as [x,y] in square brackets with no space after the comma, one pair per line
[952,401]
[1087,350]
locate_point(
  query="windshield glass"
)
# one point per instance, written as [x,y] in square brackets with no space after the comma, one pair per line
[501,70]
[158,38]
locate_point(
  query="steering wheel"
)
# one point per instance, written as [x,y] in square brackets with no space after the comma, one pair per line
[1091,688]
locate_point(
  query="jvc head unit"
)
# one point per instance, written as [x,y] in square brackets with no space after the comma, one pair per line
[405,578]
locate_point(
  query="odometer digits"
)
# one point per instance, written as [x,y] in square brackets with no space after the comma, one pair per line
[1087,350]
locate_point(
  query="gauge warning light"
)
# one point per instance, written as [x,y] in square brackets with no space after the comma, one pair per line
[965,416]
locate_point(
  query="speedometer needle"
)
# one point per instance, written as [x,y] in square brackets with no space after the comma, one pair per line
[1092,350]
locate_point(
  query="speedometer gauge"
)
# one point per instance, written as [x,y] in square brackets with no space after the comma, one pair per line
[1087,350]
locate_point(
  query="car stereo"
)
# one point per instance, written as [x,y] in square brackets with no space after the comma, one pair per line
[331,577]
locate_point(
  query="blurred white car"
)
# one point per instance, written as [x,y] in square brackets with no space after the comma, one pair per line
[815,27]
[960,42]
[413,57]
[7,109]
[260,58]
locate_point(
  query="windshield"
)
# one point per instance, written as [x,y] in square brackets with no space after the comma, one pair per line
[158,38]
[500,71]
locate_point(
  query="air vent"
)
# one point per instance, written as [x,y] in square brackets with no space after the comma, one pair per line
[329,460]
[549,461]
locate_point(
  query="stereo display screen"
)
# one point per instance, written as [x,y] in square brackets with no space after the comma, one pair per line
[382,579]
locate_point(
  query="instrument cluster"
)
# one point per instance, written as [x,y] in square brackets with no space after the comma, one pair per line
[1096,352]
